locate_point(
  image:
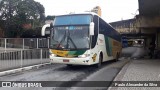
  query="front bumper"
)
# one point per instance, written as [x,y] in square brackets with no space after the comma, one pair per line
[74,61]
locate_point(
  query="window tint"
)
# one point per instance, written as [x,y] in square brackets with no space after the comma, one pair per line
[107,30]
[72,19]
[94,37]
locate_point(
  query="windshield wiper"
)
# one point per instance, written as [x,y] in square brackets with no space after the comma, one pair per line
[62,40]
[69,38]
[72,42]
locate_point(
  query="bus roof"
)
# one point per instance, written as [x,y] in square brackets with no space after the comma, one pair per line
[84,13]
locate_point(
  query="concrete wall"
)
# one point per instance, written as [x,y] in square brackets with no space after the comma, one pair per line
[124,30]
[150,25]
[148,22]
[148,30]
[149,7]
[126,26]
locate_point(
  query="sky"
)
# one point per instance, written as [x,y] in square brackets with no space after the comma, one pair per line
[112,10]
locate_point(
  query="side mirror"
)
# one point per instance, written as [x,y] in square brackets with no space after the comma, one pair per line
[51,25]
[44,29]
[91,28]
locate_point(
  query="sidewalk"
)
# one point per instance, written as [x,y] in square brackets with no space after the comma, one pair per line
[139,70]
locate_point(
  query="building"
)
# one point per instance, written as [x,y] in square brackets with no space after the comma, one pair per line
[97,10]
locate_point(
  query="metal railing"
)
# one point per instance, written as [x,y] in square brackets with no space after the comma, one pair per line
[21,58]
[21,52]
[23,43]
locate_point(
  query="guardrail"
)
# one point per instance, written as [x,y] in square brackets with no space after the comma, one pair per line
[21,58]
[24,43]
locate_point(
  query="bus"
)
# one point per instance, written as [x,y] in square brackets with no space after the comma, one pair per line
[82,39]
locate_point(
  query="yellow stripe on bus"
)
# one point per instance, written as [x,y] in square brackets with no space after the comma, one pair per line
[60,53]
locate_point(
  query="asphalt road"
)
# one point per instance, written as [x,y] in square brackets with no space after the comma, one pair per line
[59,72]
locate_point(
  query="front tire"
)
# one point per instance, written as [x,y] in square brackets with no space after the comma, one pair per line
[99,64]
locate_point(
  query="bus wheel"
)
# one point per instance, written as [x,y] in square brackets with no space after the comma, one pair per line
[117,57]
[99,64]
[69,65]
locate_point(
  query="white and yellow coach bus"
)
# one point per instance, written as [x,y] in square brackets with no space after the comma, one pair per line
[82,39]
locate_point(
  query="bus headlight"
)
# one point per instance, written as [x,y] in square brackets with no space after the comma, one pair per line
[51,54]
[54,55]
[84,55]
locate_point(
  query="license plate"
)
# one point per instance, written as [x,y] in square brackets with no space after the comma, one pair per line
[65,60]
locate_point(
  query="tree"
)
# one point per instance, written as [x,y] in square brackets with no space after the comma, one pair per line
[17,13]
[50,17]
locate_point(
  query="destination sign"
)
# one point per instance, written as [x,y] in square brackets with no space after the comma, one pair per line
[72,28]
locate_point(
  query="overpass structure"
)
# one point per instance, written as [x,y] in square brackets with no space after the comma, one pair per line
[145,26]
[148,20]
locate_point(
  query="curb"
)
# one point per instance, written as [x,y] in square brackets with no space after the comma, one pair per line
[22,69]
[120,75]
[122,72]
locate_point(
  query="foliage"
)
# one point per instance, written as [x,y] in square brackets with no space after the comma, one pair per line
[33,33]
[16,13]
[50,17]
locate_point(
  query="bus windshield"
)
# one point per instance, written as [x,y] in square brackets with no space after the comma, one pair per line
[70,37]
